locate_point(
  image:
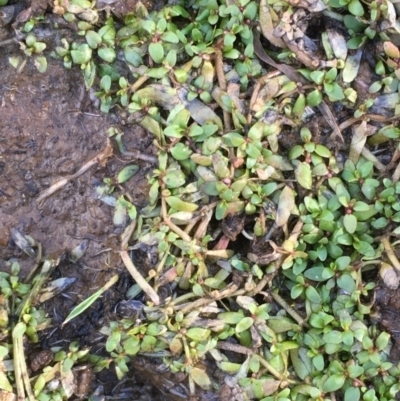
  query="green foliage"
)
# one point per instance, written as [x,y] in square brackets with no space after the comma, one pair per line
[224,173]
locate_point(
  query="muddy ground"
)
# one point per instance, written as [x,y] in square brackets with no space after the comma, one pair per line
[49,127]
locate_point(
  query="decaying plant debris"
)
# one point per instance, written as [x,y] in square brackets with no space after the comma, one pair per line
[272,217]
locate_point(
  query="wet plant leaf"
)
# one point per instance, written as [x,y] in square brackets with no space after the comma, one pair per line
[19,330]
[352,394]
[229,367]
[156,52]
[107,54]
[356,8]
[350,223]
[127,173]
[180,205]
[303,175]
[78,251]
[334,383]
[285,206]
[90,300]
[93,39]
[352,66]
[244,324]
[201,378]
[82,54]
[198,334]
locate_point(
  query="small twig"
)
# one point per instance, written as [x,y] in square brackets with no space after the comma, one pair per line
[240,349]
[17,372]
[261,81]
[140,281]
[396,174]
[215,296]
[390,254]
[24,369]
[135,154]
[349,122]
[171,225]
[288,309]
[219,68]
[100,158]
[139,82]
[369,156]
[8,42]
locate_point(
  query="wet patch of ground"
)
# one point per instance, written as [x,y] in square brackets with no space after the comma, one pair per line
[49,128]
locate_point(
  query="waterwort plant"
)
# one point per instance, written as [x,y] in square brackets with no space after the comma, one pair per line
[264,246]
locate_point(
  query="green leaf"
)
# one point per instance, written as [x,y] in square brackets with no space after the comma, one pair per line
[244,324]
[296,291]
[314,98]
[220,210]
[323,151]
[89,301]
[350,223]
[19,330]
[333,383]
[107,54]
[201,378]
[285,206]
[198,334]
[346,282]
[82,54]
[315,273]
[229,367]
[170,37]
[318,362]
[113,341]
[312,295]
[133,57]
[334,91]
[174,179]
[105,83]
[352,394]
[93,39]
[317,77]
[180,205]
[131,345]
[303,175]
[127,172]
[41,64]
[355,371]
[3,351]
[356,8]
[231,317]
[156,51]
[382,341]
[181,151]
[301,362]
[296,152]
[360,206]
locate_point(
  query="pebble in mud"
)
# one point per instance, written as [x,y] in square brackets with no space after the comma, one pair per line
[41,359]
[83,379]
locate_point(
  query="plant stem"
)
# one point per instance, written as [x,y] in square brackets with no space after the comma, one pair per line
[390,254]
[288,309]
[141,282]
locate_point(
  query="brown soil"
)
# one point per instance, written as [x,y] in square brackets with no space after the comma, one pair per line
[49,128]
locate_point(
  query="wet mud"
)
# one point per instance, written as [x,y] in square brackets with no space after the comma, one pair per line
[49,128]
